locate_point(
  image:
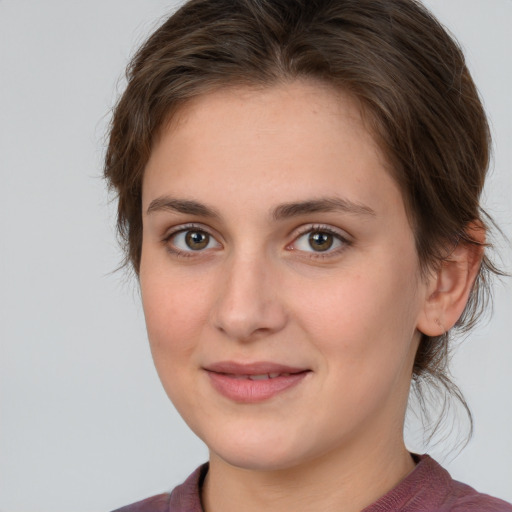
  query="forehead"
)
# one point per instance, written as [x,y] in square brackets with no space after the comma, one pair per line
[282,142]
[306,103]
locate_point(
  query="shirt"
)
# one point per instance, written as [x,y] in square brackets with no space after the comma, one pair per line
[428,488]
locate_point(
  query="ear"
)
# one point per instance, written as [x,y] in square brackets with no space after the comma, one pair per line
[448,287]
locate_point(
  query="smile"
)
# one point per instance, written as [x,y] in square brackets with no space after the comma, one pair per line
[263,376]
[251,383]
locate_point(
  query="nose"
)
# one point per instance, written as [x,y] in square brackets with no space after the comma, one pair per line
[249,304]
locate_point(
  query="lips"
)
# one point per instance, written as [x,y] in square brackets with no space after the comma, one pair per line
[254,382]
[263,376]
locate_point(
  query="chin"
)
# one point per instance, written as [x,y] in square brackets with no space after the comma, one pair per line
[257,454]
[259,460]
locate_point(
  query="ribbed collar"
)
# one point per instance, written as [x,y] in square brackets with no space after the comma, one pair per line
[419,491]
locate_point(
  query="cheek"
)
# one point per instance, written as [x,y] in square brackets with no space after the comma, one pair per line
[366,315]
[175,310]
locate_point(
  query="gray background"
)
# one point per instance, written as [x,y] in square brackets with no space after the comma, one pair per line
[84,424]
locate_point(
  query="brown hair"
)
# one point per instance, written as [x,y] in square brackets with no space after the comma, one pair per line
[409,75]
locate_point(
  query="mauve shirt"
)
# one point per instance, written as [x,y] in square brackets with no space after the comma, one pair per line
[428,488]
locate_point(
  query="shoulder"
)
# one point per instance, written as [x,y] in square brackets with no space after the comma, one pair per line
[454,496]
[157,503]
[184,498]
[468,499]
[430,488]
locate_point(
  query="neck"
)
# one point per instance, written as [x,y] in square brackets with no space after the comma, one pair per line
[338,481]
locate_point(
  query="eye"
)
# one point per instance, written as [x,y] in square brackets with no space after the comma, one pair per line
[320,240]
[190,240]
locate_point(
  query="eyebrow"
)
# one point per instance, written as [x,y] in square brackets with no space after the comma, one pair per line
[185,206]
[326,204]
[281,212]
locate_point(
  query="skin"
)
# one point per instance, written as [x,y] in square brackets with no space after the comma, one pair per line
[258,291]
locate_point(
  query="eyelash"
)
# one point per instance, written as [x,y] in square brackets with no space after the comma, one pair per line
[319,228]
[183,229]
[315,228]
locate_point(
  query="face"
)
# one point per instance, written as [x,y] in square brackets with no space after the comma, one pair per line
[279,276]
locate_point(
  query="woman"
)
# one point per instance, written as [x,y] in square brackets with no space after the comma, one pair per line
[299,188]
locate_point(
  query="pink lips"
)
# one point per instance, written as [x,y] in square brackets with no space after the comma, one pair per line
[255,382]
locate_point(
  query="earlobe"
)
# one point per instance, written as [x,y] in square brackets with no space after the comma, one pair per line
[450,285]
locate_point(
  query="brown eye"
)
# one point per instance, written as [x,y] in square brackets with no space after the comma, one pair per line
[320,240]
[188,241]
[196,240]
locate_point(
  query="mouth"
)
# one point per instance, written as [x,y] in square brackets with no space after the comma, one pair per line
[263,376]
[254,382]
